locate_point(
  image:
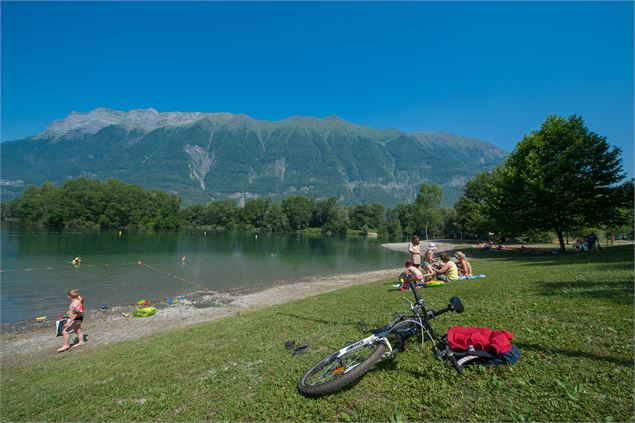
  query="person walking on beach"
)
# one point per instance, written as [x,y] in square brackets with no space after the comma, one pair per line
[415,251]
[75,319]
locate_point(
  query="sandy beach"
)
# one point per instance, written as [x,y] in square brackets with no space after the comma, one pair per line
[107,327]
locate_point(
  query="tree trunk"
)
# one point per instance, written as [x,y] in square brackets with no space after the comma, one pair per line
[427,231]
[561,240]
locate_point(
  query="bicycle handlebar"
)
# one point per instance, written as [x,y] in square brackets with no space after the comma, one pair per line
[455,303]
[413,288]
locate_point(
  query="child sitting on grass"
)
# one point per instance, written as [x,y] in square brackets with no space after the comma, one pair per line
[413,272]
[465,269]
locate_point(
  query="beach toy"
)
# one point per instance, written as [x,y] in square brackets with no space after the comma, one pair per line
[170,301]
[433,283]
[143,301]
[40,319]
[104,306]
[145,312]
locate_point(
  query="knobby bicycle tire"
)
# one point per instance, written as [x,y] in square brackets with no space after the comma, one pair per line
[341,380]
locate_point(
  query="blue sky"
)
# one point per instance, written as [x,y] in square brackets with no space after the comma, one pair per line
[490,70]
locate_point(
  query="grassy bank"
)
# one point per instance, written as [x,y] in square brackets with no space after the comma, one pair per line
[572,316]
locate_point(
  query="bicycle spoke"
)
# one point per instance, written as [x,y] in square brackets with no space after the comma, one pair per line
[341,365]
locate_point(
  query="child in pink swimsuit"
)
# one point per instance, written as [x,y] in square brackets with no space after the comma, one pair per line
[75,319]
[413,272]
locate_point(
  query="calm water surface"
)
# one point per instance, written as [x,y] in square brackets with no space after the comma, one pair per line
[37,270]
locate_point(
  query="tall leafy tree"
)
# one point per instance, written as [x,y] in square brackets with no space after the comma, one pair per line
[222,213]
[622,222]
[429,213]
[474,210]
[298,210]
[406,215]
[275,220]
[369,215]
[253,212]
[559,178]
[324,211]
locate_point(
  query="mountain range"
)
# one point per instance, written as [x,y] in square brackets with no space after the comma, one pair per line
[210,156]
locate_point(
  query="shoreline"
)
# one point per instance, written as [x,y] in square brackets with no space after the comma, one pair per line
[32,340]
[101,328]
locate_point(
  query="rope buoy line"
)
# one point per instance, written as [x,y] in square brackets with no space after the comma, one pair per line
[138,263]
[178,278]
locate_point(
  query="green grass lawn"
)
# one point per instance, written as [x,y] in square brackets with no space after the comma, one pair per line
[572,316]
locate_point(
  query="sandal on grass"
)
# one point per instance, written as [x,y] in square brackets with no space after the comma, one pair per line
[301,349]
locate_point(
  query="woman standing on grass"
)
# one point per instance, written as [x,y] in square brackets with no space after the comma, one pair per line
[415,251]
[75,319]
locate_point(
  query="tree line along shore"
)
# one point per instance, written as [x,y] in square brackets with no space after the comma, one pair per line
[561,180]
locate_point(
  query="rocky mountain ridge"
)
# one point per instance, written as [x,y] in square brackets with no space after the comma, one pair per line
[209,156]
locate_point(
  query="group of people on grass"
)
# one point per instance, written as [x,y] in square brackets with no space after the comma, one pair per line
[424,267]
[587,244]
[487,245]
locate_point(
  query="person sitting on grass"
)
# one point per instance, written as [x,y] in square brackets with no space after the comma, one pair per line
[413,272]
[449,271]
[464,267]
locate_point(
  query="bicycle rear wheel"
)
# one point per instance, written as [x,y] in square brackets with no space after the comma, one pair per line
[335,372]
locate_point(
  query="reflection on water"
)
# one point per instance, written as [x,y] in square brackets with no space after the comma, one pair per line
[37,270]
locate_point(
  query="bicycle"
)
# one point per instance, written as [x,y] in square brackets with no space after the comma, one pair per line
[352,362]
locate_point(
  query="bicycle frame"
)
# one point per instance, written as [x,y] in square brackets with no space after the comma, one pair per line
[404,327]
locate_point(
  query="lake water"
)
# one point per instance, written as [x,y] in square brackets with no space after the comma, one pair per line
[36,269]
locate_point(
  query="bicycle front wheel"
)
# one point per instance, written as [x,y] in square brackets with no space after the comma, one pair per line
[337,371]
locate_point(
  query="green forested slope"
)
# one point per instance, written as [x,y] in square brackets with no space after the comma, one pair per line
[241,158]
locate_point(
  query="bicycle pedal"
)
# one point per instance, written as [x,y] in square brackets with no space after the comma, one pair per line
[362,326]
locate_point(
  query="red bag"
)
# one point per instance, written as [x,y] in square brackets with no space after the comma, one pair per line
[462,338]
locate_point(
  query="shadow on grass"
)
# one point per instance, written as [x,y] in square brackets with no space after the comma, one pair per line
[619,292]
[620,361]
[621,256]
[597,264]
